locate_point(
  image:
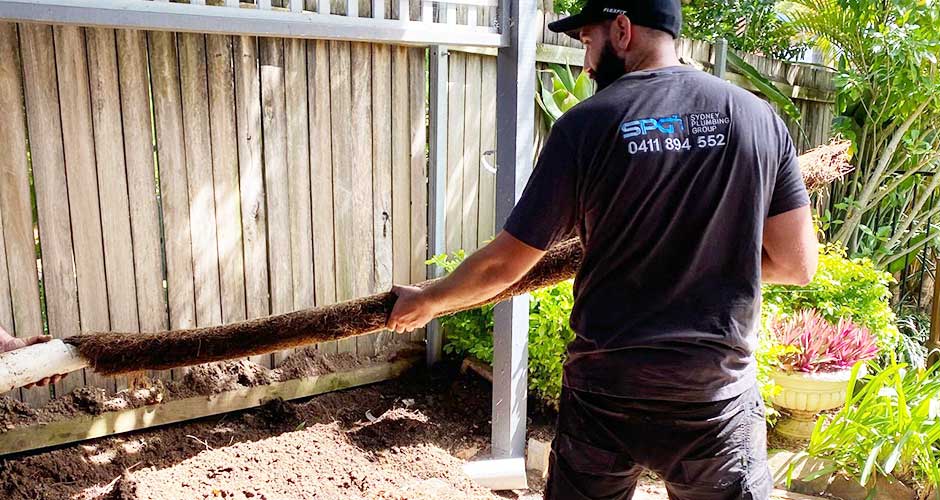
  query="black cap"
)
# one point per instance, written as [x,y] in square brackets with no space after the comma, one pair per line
[664,15]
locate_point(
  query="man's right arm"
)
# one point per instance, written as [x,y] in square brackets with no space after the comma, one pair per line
[790,252]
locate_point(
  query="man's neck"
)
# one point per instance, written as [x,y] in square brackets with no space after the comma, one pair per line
[655,59]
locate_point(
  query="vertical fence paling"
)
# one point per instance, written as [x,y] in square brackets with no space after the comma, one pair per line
[174,193]
[112,182]
[21,313]
[362,173]
[227,179]
[321,172]
[48,170]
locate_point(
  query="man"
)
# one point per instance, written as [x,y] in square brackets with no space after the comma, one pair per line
[686,193]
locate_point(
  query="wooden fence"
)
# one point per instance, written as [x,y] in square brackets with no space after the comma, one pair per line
[153,180]
[469,219]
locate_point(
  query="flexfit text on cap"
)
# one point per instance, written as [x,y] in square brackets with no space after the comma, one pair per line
[664,15]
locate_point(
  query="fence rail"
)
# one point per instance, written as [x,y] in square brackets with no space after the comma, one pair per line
[466,22]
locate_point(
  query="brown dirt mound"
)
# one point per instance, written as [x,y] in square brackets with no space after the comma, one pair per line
[211,378]
[13,413]
[316,462]
[396,440]
[307,362]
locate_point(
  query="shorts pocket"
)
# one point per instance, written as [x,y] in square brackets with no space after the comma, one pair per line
[587,458]
[716,472]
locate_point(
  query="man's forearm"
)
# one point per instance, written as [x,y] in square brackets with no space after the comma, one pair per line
[478,278]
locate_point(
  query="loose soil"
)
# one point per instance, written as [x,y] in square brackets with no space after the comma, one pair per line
[403,439]
[211,378]
[395,440]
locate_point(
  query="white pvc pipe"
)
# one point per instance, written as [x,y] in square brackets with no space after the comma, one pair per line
[500,474]
[36,362]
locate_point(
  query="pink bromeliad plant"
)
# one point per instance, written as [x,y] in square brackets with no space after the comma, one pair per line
[815,345]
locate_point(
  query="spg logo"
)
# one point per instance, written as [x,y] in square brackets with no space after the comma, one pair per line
[665,125]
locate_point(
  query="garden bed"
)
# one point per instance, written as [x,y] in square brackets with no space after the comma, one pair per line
[402,439]
[406,438]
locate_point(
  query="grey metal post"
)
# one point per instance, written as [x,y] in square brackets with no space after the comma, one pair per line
[721,58]
[515,113]
[437,178]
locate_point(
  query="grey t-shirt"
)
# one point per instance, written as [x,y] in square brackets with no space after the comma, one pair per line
[667,176]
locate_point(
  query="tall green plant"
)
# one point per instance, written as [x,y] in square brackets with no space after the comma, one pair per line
[766,87]
[890,425]
[562,91]
[748,25]
[888,105]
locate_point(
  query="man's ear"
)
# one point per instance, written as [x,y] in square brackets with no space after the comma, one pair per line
[621,32]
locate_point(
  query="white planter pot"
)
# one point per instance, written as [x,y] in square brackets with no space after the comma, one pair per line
[804,395]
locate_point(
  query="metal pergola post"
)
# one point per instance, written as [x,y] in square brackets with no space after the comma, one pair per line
[515,132]
[437,177]
[720,68]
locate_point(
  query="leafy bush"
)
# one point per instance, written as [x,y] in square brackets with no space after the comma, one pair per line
[842,288]
[887,89]
[889,425]
[748,25]
[471,332]
[820,346]
[768,355]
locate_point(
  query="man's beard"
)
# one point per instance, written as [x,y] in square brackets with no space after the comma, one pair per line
[609,68]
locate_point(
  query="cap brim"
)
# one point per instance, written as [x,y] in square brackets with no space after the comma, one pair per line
[570,25]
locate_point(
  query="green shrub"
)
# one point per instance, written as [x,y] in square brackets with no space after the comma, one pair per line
[842,288]
[470,332]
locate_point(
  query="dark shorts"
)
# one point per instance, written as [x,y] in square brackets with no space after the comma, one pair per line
[702,451]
